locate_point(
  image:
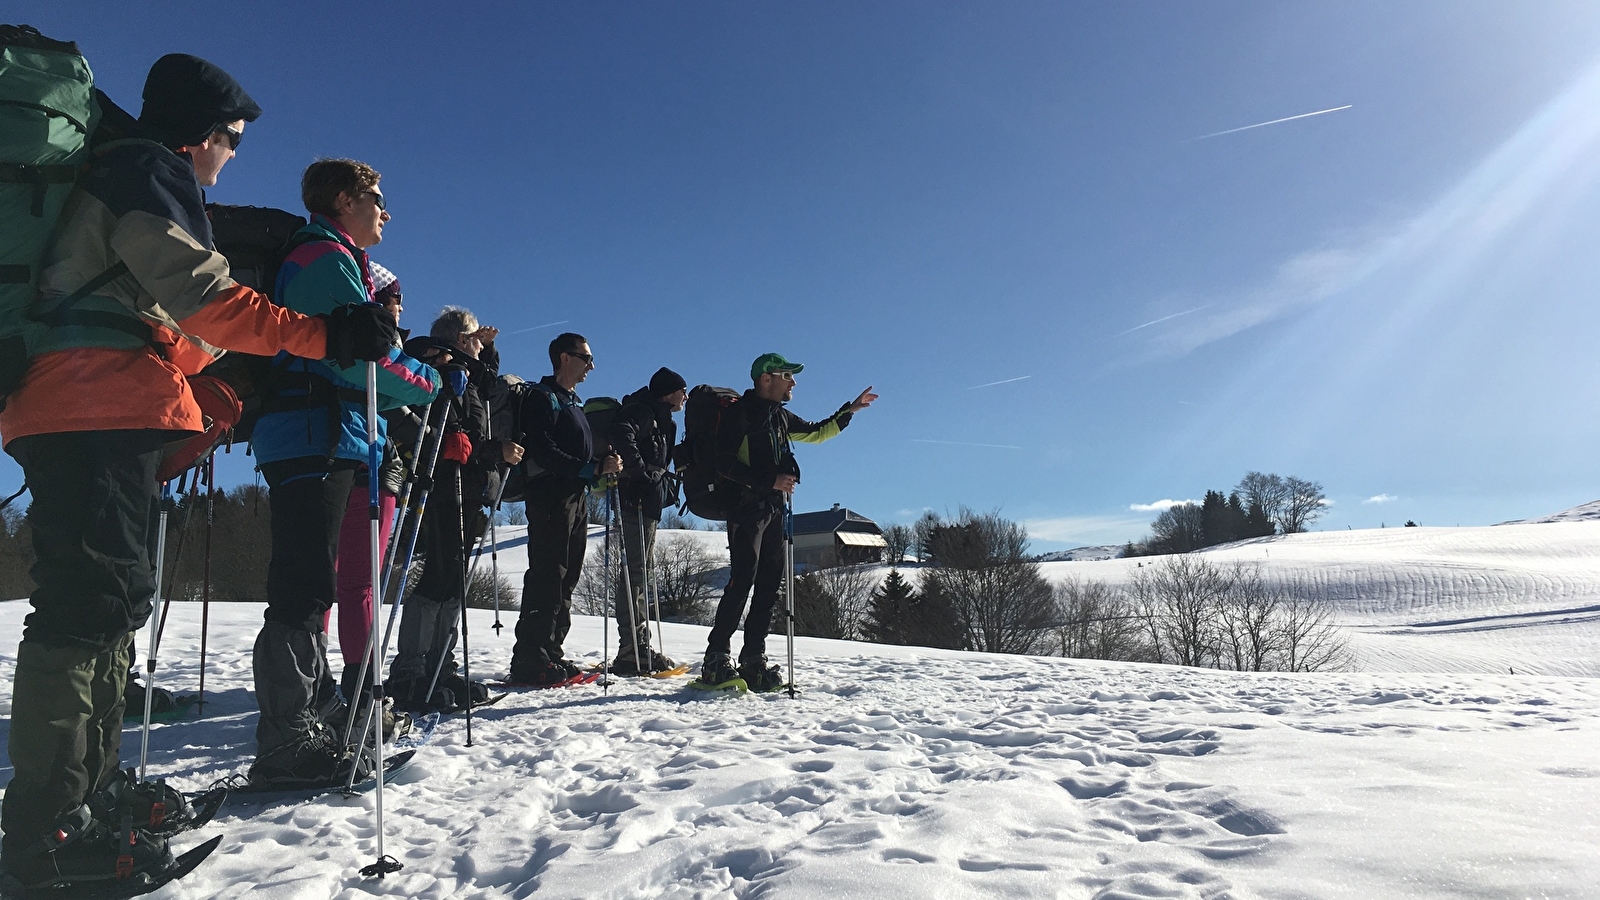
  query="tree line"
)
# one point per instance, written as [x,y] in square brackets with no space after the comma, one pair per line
[1260,505]
[983,591]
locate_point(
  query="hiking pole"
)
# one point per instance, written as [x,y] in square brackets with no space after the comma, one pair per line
[205,581]
[627,586]
[788,580]
[650,575]
[494,548]
[605,617]
[384,864]
[466,587]
[405,493]
[424,485]
[150,661]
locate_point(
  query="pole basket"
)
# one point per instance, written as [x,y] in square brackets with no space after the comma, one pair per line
[385,865]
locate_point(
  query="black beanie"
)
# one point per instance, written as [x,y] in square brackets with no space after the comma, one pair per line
[186,99]
[665,381]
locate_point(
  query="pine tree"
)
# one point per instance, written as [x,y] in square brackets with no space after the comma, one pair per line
[890,611]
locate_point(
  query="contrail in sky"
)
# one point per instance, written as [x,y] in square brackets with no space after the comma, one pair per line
[966,444]
[537,327]
[1163,319]
[1320,112]
[1005,381]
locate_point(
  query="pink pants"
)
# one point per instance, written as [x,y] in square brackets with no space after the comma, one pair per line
[354,565]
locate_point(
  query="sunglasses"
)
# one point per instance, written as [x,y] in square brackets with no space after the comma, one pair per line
[234,137]
[377,200]
[784,374]
[587,358]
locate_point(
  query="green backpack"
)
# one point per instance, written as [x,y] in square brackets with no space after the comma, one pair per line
[48,111]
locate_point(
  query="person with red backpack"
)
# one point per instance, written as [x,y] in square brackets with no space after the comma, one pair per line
[138,301]
[754,454]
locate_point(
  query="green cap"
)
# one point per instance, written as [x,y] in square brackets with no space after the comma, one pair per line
[767,363]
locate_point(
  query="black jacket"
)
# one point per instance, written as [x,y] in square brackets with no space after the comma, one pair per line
[643,435]
[754,444]
[555,435]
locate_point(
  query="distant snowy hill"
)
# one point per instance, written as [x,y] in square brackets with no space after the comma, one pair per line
[1588,512]
[1078,554]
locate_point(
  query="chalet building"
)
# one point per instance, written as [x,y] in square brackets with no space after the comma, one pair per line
[836,537]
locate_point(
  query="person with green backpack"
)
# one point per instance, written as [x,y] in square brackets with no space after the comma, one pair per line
[112,316]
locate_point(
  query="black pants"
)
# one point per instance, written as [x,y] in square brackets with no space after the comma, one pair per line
[290,661]
[307,513]
[633,607]
[95,504]
[558,530]
[756,554]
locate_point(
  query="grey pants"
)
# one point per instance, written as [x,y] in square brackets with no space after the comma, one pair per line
[427,633]
[290,664]
[633,607]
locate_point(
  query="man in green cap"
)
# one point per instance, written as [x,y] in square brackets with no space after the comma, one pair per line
[754,452]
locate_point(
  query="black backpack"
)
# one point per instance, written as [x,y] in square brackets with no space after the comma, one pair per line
[695,458]
[255,239]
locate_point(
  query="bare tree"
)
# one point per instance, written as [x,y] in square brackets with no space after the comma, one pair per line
[851,590]
[1247,619]
[1097,623]
[986,577]
[1305,503]
[1308,638]
[1178,529]
[481,591]
[1268,491]
[899,539]
[1178,600]
[686,578]
[922,533]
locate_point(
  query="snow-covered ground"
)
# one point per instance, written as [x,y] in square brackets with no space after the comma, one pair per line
[904,772]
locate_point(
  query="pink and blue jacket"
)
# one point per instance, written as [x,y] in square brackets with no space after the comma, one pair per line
[317,410]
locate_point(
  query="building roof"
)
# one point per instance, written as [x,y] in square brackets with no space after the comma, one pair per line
[834,520]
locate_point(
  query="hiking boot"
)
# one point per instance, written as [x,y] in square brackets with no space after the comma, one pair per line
[717,668]
[161,699]
[395,724]
[156,808]
[314,759]
[568,666]
[543,675]
[85,851]
[411,694]
[627,666]
[462,691]
[758,674]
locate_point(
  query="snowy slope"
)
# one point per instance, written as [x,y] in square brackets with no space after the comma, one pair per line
[913,773]
[1490,599]
[906,772]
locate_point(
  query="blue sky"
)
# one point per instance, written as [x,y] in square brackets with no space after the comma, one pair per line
[1394,299]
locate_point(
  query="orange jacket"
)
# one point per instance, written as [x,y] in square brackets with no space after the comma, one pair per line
[141,206]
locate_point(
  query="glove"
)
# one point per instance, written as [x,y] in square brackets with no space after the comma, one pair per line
[363,332]
[457,378]
[457,448]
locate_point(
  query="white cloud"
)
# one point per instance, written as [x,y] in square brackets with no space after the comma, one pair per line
[1381,498]
[1161,505]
